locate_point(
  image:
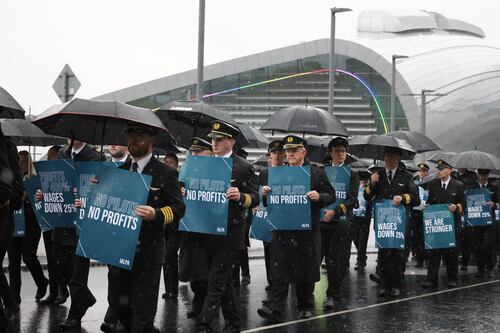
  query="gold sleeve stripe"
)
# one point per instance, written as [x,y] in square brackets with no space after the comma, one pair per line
[460,208]
[368,189]
[344,208]
[168,215]
[248,201]
[408,198]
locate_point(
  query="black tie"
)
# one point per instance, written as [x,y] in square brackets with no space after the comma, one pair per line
[389,176]
[135,166]
[444,186]
[73,154]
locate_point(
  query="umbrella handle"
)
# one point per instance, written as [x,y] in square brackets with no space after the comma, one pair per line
[102,139]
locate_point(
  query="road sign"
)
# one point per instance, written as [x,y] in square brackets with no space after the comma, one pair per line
[66,84]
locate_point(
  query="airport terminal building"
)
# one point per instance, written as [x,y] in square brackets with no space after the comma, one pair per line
[448,56]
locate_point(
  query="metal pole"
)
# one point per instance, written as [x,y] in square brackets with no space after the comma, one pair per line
[201,47]
[66,87]
[423,118]
[331,85]
[393,95]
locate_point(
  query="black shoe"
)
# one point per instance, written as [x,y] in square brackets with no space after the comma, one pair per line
[49,300]
[108,327]
[382,293]
[360,266]
[429,285]
[395,292]
[305,314]
[69,324]
[375,278]
[267,313]
[464,268]
[268,287]
[329,303]
[452,284]
[245,280]
[41,291]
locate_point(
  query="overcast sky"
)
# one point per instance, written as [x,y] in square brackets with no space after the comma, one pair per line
[112,44]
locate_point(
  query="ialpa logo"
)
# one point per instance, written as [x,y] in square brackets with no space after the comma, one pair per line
[125,262]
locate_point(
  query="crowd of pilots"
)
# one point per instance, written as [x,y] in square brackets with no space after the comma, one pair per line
[211,264]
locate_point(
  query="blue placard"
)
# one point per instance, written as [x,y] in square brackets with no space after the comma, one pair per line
[110,228]
[478,212]
[390,223]
[439,227]
[31,186]
[57,181]
[85,172]
[261,228]
[19,224]
[424,195]
[206,181]
[182,170]
[339,177]
[361,210]
[288,206]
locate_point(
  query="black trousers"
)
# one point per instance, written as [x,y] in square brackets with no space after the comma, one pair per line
[47,241]
[220,289]
[133,295]
[5,292]
[62,256]
[199,289]
[450,257]
[303,291]
[485,239]
[392,262]
[267,260]
[360,231]
[81,296]
[417,236]
[25,248]
[468,245]
[171,265]
[336,243]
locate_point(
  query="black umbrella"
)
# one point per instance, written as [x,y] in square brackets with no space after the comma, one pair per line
[373,146]
[100,122]
[255,138]
[305,119]
[442,155]
[24,133]
[9,107]
[417,140]
[475,159]
[188,119]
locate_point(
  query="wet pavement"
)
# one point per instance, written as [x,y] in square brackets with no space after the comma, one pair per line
[472,307]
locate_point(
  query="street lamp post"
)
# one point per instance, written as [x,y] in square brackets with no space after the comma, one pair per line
[331,85]
[423,117]
[201,49]
[393,90]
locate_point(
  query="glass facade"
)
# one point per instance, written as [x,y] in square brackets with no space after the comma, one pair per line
[256,94]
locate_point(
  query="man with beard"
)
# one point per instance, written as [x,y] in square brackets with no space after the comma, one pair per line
[118,153]
[296,254]
[133,295]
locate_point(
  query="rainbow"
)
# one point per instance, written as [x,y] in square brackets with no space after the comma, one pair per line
[350,74]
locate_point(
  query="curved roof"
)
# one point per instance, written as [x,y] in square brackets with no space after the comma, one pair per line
[448,56]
